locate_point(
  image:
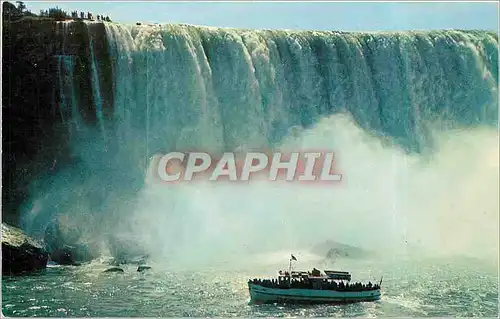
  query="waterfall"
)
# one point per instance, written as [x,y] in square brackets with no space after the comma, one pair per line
[220,89]
[376,98]
[96,78]
[68,102]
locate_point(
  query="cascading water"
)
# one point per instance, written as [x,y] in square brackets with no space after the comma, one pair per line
[396,95]
[223,88]
[68,104]
[96,87]
[186,87]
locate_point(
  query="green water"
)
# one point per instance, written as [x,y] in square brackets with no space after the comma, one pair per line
[409,288]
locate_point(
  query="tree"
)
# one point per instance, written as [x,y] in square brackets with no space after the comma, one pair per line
[57,13]
[10,12]
[9,8]
[21,6]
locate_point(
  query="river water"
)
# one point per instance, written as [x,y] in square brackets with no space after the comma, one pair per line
[434,287]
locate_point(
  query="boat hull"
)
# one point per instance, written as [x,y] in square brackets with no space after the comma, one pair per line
[259,294]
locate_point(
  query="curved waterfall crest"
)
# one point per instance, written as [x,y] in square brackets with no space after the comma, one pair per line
[214,88]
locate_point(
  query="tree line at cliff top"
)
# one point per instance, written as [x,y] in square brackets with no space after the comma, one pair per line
[12,12]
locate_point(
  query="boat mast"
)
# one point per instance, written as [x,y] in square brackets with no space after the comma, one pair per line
[290,271]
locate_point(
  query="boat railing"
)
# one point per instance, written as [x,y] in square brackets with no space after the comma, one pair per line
[336,272]
[320,284]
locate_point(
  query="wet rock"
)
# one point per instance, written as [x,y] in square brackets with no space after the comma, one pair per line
[332,250]
[114,269]
[143,268]
[71,255]
[126,250]
[20,253]
[64,247]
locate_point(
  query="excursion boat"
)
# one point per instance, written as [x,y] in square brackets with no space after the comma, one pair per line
[312,287]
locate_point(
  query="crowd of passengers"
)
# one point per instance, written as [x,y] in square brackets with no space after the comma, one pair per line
[308,284]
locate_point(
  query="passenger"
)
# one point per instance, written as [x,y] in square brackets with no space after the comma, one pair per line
[316,272]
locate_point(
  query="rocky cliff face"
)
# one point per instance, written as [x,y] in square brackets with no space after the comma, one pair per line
[20,253]
[34,129]
[332,250]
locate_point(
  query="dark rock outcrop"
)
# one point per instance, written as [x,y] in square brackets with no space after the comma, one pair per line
[126,250]
[20,253]
[64,256]
[114,269]
[71,255]
[332,250]
[143,268]
[65,247]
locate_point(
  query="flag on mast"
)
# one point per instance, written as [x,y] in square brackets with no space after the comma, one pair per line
[293,258]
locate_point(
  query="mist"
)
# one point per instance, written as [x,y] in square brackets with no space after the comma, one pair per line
[441,203]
